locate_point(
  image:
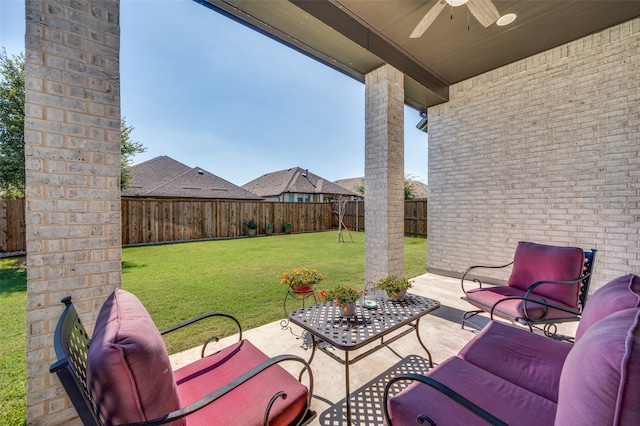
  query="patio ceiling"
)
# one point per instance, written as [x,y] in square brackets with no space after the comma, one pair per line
[358,36]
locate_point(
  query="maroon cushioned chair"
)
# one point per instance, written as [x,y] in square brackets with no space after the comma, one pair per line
[122,375]
[547,285]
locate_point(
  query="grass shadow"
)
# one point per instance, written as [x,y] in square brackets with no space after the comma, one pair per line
[14,277]
[128,265]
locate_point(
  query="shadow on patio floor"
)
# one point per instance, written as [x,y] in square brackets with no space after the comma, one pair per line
[366,402]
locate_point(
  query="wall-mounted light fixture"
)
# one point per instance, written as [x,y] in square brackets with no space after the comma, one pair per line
[423,124]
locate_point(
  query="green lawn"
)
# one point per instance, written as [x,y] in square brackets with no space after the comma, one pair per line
[179,281]
[13,302]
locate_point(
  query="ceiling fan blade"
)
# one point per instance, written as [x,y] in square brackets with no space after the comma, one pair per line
[428,19]
[484,10]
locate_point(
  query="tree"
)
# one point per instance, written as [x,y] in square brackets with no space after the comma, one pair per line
[359,188]
[409,188]
[12,175]
[128,149]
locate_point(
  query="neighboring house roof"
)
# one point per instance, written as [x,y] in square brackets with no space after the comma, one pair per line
[294,180]
[421,190]
[165,177]
[351,183]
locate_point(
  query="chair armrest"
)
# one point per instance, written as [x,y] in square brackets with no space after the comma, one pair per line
[539,283]
[569,282]
[476,280]
[445,390]
[200,318]
[208,399]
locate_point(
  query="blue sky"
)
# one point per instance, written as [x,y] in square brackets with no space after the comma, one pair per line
[211,93]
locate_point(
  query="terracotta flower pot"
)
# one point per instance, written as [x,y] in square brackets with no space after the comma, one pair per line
[302,289]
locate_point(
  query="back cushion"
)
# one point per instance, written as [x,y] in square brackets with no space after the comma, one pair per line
[537,262]
[599,382]
[618,294]
[128,368]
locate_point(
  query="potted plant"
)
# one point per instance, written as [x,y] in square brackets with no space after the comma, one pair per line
[395,287]
[301,280]
[252,227]
[268,229]
[343,296]
[288,226]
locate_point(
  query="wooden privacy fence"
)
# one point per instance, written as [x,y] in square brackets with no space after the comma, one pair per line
[162,220]
[415,217]
[12,226]
[149,220]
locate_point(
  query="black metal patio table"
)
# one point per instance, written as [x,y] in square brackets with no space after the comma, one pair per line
[325,324]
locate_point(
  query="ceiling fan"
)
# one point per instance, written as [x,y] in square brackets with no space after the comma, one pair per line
[484,11]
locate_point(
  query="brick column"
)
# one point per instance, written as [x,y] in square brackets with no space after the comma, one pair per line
[384,173]
[72,150]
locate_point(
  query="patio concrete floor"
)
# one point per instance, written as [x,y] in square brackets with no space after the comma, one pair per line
[440,332]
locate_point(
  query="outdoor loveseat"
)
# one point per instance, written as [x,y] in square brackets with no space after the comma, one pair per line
[507,375]
[123,374]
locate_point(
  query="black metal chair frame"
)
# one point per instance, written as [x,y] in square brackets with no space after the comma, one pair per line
[445,390]
[549,327]
[71,343]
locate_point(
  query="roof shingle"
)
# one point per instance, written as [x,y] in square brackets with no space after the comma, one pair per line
[165,177]
[294,180]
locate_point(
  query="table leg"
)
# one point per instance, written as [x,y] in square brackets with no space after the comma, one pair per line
[346,375]
[285,322]
[422,344]
[313,353]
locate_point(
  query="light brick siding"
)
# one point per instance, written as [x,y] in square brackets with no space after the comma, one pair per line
[546,149]
[384,173]
[72,149]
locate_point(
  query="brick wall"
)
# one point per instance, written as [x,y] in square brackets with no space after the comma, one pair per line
[546,149]
[72,149]
[384,173]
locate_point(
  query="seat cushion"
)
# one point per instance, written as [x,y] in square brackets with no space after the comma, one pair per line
[508,402]
[246,404]
[128,368]
[599,383]
[537,262]
[619,294]
[486,297]
[526,359]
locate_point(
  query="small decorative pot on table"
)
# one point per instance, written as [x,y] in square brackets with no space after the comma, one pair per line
[396,288]
[344,297]
[348,310]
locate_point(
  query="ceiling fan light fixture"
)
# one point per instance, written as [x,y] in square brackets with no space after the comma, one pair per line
[506,19]
[456,3]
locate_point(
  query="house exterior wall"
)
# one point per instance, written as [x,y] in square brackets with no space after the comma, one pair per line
[384,173]
[546,149]
[72,150]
